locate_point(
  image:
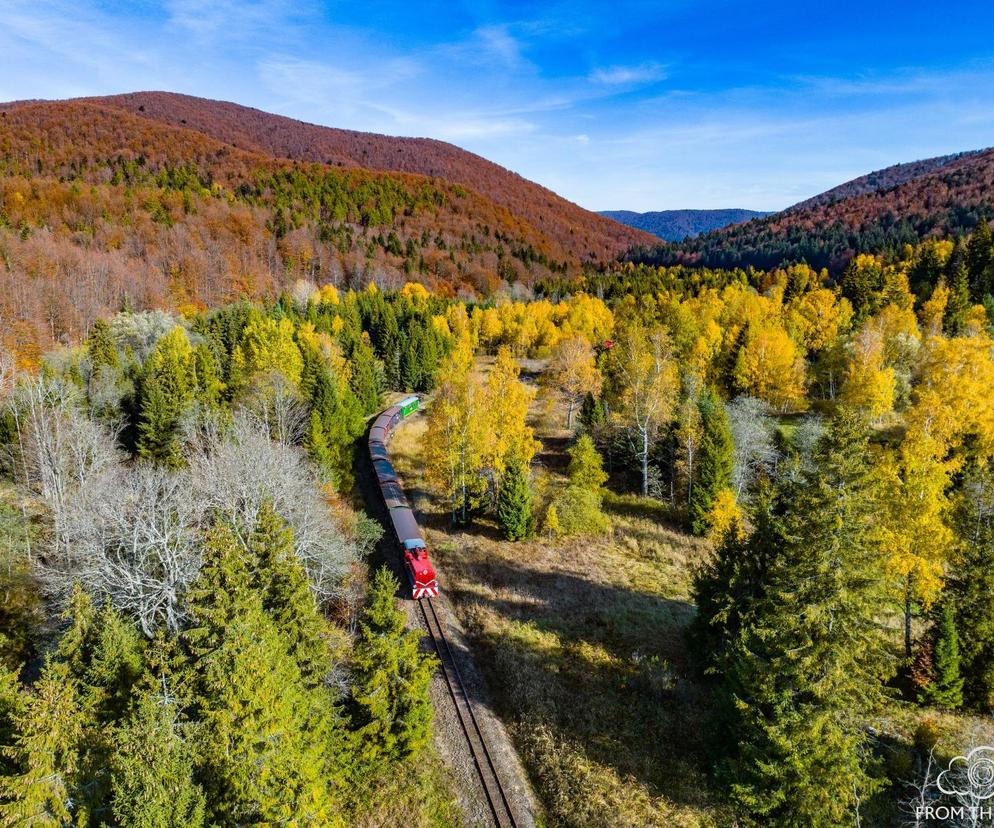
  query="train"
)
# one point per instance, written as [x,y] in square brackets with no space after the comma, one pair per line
[410,538]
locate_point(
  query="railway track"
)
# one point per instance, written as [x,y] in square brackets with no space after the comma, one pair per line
[497,799]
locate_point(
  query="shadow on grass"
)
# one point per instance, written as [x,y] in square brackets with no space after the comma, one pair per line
[603,667]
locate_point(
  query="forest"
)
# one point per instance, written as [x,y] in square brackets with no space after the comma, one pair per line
[880,213]
[181,505]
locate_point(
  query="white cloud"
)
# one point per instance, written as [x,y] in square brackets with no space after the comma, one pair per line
[629,75]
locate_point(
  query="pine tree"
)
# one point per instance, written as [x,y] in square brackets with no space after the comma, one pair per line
[264,748]
[49,729]
[714,461]
[946,687]
[102,655]
[209,385]
[287,596]
[592,412]
[980,261]
[958,280]
[971,585]
[11,705]
[390,681]
[101,346]
[810,659]
[168,385]
[316,443]
[152,770]
[514,502]
[731,583]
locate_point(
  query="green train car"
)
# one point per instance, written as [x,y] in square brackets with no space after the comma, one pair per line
[407,406]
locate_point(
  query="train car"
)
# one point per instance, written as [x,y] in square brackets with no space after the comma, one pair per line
[410,539]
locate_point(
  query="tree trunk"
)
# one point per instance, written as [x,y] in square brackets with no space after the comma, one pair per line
[907,618]
[645,463]
[569,415]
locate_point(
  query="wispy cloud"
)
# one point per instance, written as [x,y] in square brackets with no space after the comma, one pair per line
[625,75]
[639,104]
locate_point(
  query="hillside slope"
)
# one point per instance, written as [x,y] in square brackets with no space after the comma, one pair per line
[888,177]
[876,213]
[583,233]
[674,225]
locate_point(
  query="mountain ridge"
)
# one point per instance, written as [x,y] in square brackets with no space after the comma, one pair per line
[674,225]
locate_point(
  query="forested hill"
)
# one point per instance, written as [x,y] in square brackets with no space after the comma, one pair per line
[674,225]
[102,209]
[884,179]
[582,233]
[878,213]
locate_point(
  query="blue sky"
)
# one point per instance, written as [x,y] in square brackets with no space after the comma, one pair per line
[637,105]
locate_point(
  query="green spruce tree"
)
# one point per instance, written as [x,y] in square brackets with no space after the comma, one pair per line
[514,502]
[168,386]
[264,749]
[809,663]
[713,472]
[971,585]
[287,597]
[152,770]
[946,688]
[958,280]
[101,347]
[980,261]
[392,709]
[44,789]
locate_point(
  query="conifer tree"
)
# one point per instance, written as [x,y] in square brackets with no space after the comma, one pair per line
[287,596]
[714,464]
[316,443]
[44,789]
[390,680]
[10,707]
[101,346]
[958,281]
[810,659]
[946,687]
[152,770]
[514,502]
[263,749]
[980,261]
[168,385]
[592,412]
[970,586]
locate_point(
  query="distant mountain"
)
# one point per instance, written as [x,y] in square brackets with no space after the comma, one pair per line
[674,225]
[875,213]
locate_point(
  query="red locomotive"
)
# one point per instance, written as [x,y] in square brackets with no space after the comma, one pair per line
[412,542]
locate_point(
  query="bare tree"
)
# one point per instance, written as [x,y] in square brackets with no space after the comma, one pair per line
[136,542]
[755,451]
[232,474]
[276,409]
